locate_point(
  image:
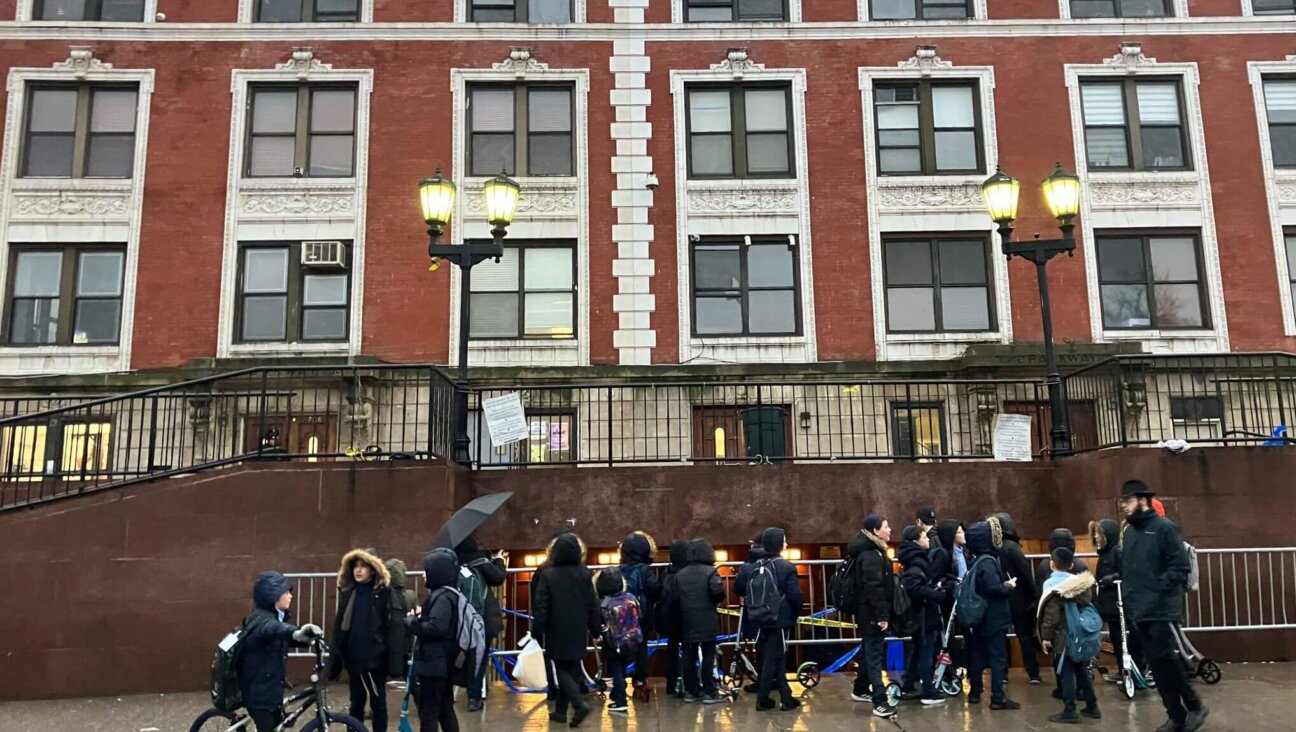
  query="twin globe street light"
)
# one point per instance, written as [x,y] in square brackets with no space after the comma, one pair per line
[499,202]
[1062,195]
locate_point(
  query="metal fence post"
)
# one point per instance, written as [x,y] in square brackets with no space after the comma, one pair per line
[609,424]
[152,433]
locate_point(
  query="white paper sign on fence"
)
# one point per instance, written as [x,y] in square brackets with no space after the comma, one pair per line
[1012,437]
[505,419]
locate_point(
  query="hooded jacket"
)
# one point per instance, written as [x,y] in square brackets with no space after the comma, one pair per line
[785,577]
[700,592]
[436,627]
[985,539]
[1051,618]
[1059,538]
[1026,595]
[565,612]
[1154,568]
[919,582]
[941,555]
[637,551]
[493,574]
[876,580]
[666,613]
[264,650]
[383,643]
[1106,538]
[755,553]
[408,599]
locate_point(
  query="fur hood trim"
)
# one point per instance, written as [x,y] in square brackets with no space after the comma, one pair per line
[881,545]
[345,579]
[996,532]
[1069,588]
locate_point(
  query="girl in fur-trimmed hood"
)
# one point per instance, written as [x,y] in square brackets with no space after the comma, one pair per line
[368,638]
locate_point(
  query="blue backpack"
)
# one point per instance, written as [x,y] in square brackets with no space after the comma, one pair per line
[971,605]
[1084,631]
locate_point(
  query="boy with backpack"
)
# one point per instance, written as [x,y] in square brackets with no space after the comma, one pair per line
[262,651]
[623,633]
[772,603]
[450,643]
[983,608]
[1071,637]
[700,592]
[637,551]
[479,572]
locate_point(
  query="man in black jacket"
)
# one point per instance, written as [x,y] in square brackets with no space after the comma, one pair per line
[491,571]
[772,637]
[876,590]
[1155,567]
[700,592]
[1025,595]
[1106,539]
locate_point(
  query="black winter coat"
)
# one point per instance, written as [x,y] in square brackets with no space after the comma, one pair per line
[386,633]
[919,584]
[1025,597]
[990,578]
[565,610]
[876,580]
[1106,537]
[637,551]
[264,650]
[754,555]
[1059,538]
[437,625]
[1154,568]
[493,574]
[785,577]
[667,613]
[700,592]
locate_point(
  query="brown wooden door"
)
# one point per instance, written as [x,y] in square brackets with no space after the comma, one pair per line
[1084,423]
[303,434]
[718,434]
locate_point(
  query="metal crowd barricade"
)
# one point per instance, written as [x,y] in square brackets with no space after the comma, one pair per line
[1239,590]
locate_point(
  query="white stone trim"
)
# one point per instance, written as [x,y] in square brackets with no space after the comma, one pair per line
[27,7]
[864,8]
[247,8]
[1179,8]
[1280,186]
[1249,10]
[578,12]
[755,207]
[101,210]
[928,205]
[1114,200]
[677,13]
[566,220]
[294,208]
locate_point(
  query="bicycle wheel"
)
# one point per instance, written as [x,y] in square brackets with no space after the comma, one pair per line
[213,720]
[336,722]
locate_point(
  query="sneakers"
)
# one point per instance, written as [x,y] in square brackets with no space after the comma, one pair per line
[885,711]
[692,698]
[933,701]
[789,705]
[861,697]
[1092,712]
[1196,719]
[1004,704]
[1035,681]
[714,699]
[1065,718]
[618,709]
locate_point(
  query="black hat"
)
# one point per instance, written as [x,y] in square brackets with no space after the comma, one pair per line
[1135,488]
[872,522]
[927,515]
[911,533]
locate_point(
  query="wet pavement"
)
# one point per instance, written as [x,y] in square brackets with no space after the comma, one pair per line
[1251,697]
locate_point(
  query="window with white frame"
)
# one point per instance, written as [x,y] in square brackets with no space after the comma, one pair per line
[520,11]
[920,9]
[79,131]
[301,130]
[307,11]
[114,11]
[1122,8]
[520,129]
[1273,7]
[1152,281]
[745,286]
[64,295]
[1280,107]
[724,11]
[1289,240]
[1134,124]
[928,127]
[938,284]
[529,294]
[285,298]
[740,131]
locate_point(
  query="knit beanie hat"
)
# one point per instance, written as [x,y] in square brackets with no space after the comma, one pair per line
[872,522]
[911,533]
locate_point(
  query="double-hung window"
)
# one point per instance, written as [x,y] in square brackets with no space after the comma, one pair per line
[1134,124]
[928,128]
[529,294]
[1289,239]
[308,11]
[108,11]
[723,11]
[283,300]
[1280,106]
[301,130]
[745,286]
[520,11]
[1151,281]
[522,129]
[921,9]
[1122,8]
[740,131]
[938,285]
[64,295]
[1273,7]
[80,131]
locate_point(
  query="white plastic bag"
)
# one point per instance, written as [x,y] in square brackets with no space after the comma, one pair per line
[530,668]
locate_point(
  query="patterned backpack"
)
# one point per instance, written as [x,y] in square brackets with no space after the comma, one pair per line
[621,616]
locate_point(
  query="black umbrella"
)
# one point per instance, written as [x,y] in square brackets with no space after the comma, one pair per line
[468,519]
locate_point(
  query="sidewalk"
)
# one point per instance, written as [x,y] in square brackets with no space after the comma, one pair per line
[1251,697]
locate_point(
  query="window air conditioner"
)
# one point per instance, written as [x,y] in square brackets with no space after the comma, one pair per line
[323,254]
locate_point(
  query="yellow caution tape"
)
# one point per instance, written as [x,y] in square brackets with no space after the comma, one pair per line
[820,622]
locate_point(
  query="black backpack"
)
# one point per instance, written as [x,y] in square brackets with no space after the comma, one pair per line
[906,614]
[844,587]
[225,692]
[764,600]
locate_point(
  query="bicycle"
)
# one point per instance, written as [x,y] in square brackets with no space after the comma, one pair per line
[214,720]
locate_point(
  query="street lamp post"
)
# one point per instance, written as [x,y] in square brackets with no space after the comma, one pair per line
[1062,194]
[499,201]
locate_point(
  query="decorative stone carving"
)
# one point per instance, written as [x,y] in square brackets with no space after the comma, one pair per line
[520,62]
[738,62]
[1286,193]
[297,204]
[930,196]
[303,62]
[62,205]
[925,60]
[1131,55]
[81,61]
[544,199]
[1139,193]
[726,201]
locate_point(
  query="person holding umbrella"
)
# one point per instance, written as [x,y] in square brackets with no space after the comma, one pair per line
[479,573]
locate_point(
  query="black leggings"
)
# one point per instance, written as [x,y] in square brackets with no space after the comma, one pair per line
[266,719]
[568,674]
[369,687]
[436,706]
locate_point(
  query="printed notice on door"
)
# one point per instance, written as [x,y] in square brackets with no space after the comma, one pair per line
[1012,437]
[506,420]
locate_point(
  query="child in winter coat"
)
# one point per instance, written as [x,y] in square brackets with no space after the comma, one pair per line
[436,630]
[264,650]
[612,593]
[488,571]
[637,551]
[565,615]
[368,634]
[667,616]
[990,636]
[1062,587]
[700,592]
[925,599]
